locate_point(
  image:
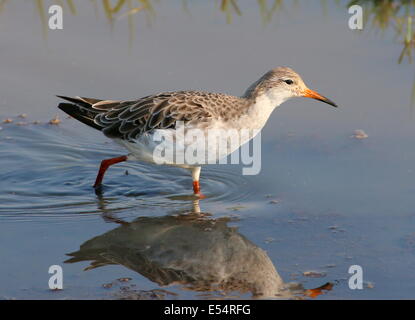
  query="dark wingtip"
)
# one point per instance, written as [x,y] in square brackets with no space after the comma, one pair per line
[76,112]
[66,107]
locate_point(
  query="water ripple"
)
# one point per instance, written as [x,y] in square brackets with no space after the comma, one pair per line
[47,171]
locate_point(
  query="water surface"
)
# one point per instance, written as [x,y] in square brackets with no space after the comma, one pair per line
[322,202]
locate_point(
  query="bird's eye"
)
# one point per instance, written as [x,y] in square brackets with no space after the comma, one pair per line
[288,81]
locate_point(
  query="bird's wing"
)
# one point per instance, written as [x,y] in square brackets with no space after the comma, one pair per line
[130,119]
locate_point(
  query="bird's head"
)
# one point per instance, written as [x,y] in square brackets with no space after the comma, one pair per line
[281,84]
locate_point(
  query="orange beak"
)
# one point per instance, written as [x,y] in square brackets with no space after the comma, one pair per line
[308,93]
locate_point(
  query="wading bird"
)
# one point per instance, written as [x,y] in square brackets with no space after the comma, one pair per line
[133,123]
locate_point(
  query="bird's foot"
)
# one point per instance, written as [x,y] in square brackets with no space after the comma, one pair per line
[98,189]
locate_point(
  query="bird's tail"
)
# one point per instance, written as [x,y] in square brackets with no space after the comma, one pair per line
[81,109]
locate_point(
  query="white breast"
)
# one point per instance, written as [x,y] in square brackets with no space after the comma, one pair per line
[258,114]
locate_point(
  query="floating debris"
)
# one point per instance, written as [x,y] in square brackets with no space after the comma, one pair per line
[55,121]
[313,293]
[294,276]
[236,208]
[336,229]
[8,120]
[359,134]
[270,240]
[107,285]
[314,274]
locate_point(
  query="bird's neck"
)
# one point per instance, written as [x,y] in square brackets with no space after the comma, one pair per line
[259,109]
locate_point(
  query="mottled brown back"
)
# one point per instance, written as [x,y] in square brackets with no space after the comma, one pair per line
[130,119]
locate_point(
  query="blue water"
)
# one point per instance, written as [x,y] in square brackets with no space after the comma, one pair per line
[322,202]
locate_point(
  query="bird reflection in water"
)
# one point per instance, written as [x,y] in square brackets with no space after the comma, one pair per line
[193,250]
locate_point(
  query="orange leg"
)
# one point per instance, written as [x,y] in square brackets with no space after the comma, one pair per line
[105,164]
[196,187]
[196,190]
